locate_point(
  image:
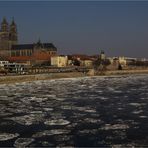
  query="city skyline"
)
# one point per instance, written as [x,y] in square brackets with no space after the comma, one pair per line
[119,28]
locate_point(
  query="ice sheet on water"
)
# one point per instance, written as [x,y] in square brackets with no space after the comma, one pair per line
[38,99]
[103,98]
[57,122]
[4,114]
[79,115]
[117,91]
[50,132]
[23,142]
[128,145]
[117,134]
[45,144]
[66,107]
[137,104]
[36,112]
[144,98]
[114,127]
[57,115]
[87,131]
[137,111]
[7,136]
[63,138]
[48,109]
[120,108]
[60,99]
[110,88]
[90,110]
[99,91]
[50,96]
[81,102]
[143,116]
[3,98]
[84,109]
[28,119]
[92,120]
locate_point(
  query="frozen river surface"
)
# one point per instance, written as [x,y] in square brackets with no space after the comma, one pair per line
[97,111]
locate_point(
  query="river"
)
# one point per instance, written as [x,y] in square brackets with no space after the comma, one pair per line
[90,111]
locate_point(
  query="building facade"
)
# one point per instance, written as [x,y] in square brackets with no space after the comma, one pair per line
[8,37]
[33,54]
[59,61]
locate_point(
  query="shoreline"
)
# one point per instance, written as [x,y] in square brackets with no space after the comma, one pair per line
[51,76]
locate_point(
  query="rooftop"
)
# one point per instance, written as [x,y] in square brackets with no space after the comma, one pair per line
[48,46]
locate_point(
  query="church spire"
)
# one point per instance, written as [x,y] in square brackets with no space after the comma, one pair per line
[4,25]
[13,22]
[13,32]
[4,21]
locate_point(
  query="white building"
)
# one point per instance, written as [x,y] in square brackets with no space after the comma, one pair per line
[2,63]
[122,61]
[87,63]
[59,61]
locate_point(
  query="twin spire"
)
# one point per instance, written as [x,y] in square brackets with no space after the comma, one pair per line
[4,24]
[8,32]
[5,21]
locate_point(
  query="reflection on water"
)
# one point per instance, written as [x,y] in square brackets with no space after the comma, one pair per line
[97,111]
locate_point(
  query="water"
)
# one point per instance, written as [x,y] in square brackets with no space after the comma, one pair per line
[97,111]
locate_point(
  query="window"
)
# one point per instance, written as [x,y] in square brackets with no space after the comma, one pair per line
[13,53]
[17,53]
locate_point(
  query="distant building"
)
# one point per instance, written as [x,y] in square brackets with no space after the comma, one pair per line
[38,53]
[122,61]
[33,54]
[87,63]
[84,60]
[59,61]
[3,62]
[8,37]
[102,55]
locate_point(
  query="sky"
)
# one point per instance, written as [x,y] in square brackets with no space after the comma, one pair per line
[120,28]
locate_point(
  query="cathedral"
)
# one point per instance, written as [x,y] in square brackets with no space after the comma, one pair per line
[23,53]
[8,37]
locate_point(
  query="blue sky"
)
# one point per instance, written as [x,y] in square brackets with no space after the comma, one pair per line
[118,27]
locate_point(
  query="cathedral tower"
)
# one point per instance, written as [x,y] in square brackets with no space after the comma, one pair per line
[13,33]
[4,35]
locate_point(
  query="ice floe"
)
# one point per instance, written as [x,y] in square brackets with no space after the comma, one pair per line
[84,109]
[7,136]
[103,98]
[92,120]
[23,142]
[48,109]
[57,122]
[114,127]
[137,104]
[137,111]
[50,132]
[28,119]
[38,99]
[87,131]
[143,116]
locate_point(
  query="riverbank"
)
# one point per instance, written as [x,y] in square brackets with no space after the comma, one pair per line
[123,72]
[35,77]
[49,76]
